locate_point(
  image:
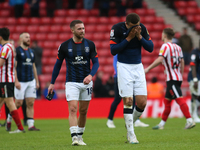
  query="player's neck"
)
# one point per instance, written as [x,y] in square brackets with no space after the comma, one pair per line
[166,41]
[76,40]
[4,42]
[23,46]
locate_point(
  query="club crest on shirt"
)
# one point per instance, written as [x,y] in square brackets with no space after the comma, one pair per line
[87,49]
[112,33]
[28,60]
[161,51]
[3,54]
[70,50]
[193,57]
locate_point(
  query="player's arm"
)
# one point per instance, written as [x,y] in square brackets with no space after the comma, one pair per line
[115,63]
[36,76]
[156,62]
[3,56]
[116,45]
[182,66]
[17,84]
[193,69]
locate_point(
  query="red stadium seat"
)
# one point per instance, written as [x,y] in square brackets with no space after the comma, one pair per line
[59,84]
[20,29]
[44,28]
[61,78]
[180,4]
[149,19]
[34,21]
[158,27]
[47,69]
[52,36]
[72,12]
[103,53]
[10,21]
[32,29]
[5,13]
[22,21]
[185,84]
[159,20]
[140,11]
[45,21]
[11,28]
[55,28]
[103,20]
[60,13]
[58,20]
[102,60]
[40,36]
[94,12]
[43,12]
[150,12]
[64,36]
[108,69]
[92,20]
[156,35]
[83,12]
[43,5]
[192,4]
[44,78]
[114,20]
[182,12]
[191,11]
[190,18]
[90,28]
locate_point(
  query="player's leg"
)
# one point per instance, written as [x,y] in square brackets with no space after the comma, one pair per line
[176,90]
[72,95]
[30,95]
[138,122]
[85,97]
[114,105]
[24,112]
[125,85]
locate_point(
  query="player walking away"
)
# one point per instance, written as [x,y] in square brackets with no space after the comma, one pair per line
[7,77]
[117,100]
[77,52]
[172,57]
[193,79]
[126,39]
[26,80]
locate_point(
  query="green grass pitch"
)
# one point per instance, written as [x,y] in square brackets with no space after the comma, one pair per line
[55,135]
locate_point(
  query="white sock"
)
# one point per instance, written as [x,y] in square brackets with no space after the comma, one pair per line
[129,122]
[80,131]
[189,120]
[30,123]
[9,118]
[162,123]
[109,121]
[136,115]
[73,131]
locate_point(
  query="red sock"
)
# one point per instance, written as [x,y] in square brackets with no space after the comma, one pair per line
[17,120]
[184,107]
[167,110]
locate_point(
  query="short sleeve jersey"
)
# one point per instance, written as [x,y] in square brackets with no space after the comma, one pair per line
[77,57]
[25,60]
[172,62]
[7,71]
[195,61]
[132,53]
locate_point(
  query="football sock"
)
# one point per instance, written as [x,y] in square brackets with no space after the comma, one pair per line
[9,118]
[162,123]
[16,118]
[30,122]
[128,117]
[184,107]
[80,131]
[167,110]
[137,113]
[73,131]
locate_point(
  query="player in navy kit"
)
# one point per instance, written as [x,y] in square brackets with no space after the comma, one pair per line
[77,52]
[26,80]
[126,39]
[194,81]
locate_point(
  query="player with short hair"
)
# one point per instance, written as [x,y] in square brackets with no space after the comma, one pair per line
[7,77]
[172,57]
[126,39]
[77,52]
[194,81]
[26,80]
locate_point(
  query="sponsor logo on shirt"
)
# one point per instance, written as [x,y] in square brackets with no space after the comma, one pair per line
[28,62]
[79,60]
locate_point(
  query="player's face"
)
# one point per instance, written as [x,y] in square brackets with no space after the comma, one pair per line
[79,30]
[163,36]
[26,39]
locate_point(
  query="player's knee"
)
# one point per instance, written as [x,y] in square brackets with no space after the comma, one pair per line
[18,103]
[128,101]
[83,111]
[72,109]
[142,104]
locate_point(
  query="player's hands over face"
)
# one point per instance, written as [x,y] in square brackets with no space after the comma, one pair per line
[17,85]
[51,88]
[131,34]
[87,79]
[138,32]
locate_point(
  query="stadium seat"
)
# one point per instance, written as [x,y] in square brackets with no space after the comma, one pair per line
[55,28]
[58,20]
[44,78]
[83,12]
[114,20]
[61,78]
[52,36]
[40,36]
[156,35]
[108,69]
[103,20]
[48,44]
[64,36]
[43,5]
[182,12]
[10,21]
[45,21]
[5,13]
[32,29]
[192,4]
[102,60]
[23,21]
[72,12]
[59,85]
[60,13]
[180,4]
[191,11]
[104,52]
[92,20]
[34,21]
[20,29]
[94,12]
[44,29]
[47,69]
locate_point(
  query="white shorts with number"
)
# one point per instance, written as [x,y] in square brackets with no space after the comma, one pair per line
[78,91]
[28,89]
[192,90]
[131,79]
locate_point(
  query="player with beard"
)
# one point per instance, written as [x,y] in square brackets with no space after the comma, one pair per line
[26,80]
[77,52]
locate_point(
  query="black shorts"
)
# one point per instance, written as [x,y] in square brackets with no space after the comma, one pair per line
[7,90]
[173,90]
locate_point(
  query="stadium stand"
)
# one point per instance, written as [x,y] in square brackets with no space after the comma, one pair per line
[51,32]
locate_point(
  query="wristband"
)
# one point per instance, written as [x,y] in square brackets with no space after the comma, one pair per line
[195,79]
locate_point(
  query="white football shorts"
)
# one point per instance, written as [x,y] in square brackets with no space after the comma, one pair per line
[28,89]
[192,90]
[78,91]
[131,79]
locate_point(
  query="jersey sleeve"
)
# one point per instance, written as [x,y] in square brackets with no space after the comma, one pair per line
[61,54]
[17,54]
[5,52]
[93,50]
[144,32]
[163,50]
[115,35]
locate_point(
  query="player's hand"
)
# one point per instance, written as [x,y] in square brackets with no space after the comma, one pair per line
[87,79]
[37,85]
[131,34]
[138,32]
[195,85]
[50,88]
[17,85]
[146,70]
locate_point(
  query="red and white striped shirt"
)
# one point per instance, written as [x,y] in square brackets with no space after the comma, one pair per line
[172,62]
[7,71]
